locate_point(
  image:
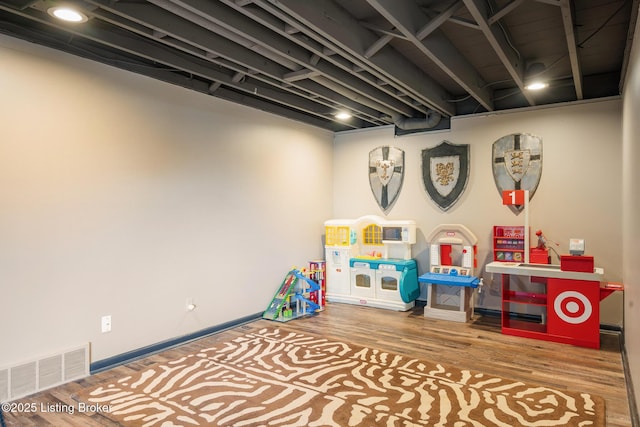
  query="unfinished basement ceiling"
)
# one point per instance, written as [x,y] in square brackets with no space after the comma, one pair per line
[411,63]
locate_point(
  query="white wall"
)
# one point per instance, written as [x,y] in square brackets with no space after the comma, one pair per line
[579,193]
[631,209]
[123,195]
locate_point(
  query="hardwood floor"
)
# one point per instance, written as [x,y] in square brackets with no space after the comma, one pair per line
[477,345]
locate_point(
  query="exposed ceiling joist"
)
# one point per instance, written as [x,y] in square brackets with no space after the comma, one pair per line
[408,18]
[499,41]
[402,62]
[568,20]
[340,29]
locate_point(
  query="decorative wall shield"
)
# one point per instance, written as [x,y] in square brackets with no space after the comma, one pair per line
[517,164]
[386,173]
[445,172]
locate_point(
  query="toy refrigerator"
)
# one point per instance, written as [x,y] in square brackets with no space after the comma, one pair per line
[339,249]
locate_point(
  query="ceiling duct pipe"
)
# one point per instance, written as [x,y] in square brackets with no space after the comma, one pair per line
[431,120]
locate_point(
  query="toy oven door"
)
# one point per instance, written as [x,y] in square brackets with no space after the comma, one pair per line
[388,283]
[362,280]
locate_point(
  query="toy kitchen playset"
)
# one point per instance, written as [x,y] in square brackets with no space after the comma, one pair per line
[368,262]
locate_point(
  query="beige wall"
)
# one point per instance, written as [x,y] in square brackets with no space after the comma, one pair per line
[123,195]
[579,193]
[164,194]
[631,210]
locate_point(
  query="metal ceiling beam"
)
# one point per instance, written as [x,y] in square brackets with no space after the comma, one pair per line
[439,19]
[510,59]
[568,20]
[550,2]
[464,23]
[85,48]
[242,59]
[337,27]
[283,111]
[175,60]
[276,55]
[504,11]
[281,23]
[409,19]
[231,20]
[379,44]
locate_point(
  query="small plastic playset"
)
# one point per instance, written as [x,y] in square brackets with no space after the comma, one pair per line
[369,262]
[451,281]
[300,294]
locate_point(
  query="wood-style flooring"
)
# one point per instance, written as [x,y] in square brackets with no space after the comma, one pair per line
[477,345]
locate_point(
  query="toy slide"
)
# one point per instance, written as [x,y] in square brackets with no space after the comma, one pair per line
[291,302]
[312,307]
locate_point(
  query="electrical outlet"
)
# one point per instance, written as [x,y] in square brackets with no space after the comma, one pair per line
[106,324]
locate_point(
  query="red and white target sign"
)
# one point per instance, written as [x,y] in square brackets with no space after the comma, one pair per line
[574,311]
[572,307]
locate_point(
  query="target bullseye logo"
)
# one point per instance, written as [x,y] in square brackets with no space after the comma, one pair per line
[572,307]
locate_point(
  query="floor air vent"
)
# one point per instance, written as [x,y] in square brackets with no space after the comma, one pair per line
[30,377]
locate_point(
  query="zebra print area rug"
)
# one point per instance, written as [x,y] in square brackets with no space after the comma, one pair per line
[279,378]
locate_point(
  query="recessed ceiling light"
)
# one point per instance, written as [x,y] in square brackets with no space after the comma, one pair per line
[534,79]
[343,115]
[536,86]
[67,14]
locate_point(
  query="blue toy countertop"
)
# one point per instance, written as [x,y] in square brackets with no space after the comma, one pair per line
[374,264]
[448,279]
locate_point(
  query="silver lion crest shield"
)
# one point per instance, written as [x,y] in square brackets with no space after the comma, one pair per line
[445,172]
[517,164]
[386,173]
